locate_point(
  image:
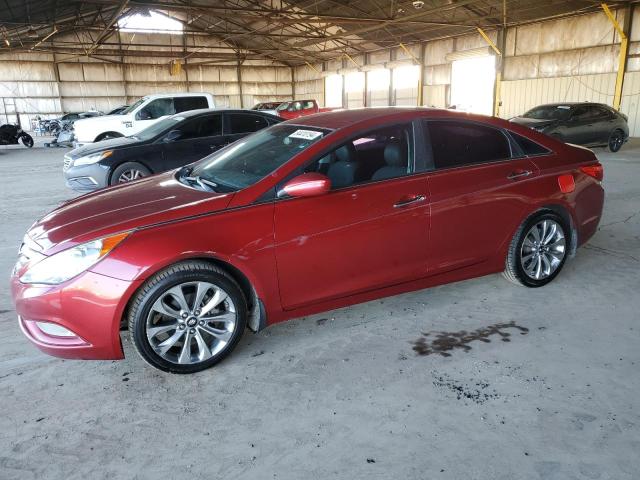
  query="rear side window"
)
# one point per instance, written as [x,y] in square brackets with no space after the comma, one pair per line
[184,104]
[529,147]
[242,123]
[455,143]
[208,126]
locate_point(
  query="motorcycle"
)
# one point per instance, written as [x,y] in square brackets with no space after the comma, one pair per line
[11,134]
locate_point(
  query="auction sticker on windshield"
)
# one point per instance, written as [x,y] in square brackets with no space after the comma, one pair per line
[305,134]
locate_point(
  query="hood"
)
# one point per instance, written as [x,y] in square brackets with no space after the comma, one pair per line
[155,199]
[533,122]
[114,143]
[100,119]
[270,112]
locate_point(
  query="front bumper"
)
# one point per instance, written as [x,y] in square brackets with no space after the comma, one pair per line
[90,307]
[86,178]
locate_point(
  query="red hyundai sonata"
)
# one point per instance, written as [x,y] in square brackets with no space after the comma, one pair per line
[309,215]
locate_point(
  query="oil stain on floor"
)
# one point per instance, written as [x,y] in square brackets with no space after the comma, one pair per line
[443,343]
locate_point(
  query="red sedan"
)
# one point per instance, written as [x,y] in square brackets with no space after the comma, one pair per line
[308,215]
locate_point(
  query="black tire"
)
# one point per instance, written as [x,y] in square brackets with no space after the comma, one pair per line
[156,286]
[27,140]
[514,270]
[108,136]
[616,139]
[126,169]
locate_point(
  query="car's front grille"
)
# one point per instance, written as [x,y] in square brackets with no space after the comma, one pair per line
[67,162]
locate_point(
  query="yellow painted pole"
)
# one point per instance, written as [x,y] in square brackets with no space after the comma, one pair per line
[489,41]
[496,97]
[622,58]
[418,62]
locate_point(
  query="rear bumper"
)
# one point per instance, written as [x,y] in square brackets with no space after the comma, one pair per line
[88,308]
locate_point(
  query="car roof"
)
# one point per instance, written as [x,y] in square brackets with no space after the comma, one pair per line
[202,111]
[178,94]
[570,104]
[338,119]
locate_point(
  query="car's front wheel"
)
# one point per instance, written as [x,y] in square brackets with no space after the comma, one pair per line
[187,318]
[538,250]
[128,172]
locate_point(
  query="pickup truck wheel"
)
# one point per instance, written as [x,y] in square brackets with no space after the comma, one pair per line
[107,136]
[127,172]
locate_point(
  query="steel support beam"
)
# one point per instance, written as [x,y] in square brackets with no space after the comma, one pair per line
[624,51]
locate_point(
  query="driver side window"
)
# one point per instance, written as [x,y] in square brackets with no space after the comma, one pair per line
[156,109]
[379,155]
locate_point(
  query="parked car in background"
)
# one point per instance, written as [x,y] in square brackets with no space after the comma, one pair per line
[588,124]
[299,108]
[55,125]
[65,133]
[135,118]
[170,143]
[268,107]
[117,110]
[298,218]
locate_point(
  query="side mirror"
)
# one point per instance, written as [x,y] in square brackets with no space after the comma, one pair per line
[306,185]
[173,135]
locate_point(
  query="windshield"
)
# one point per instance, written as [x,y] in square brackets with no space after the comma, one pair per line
[131,108]
[283,106]
[252,158]
[164,125]
[549,112]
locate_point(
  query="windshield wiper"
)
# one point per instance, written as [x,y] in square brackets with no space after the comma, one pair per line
[205,184]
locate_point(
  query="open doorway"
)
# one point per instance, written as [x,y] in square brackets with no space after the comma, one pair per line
[472,84]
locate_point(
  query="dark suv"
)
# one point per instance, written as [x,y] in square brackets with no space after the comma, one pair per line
[171,143]
[589,124]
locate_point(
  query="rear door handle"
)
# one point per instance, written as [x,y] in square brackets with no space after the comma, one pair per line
[519,174]
[409,200]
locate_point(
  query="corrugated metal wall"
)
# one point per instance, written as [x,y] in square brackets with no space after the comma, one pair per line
[572,59]
[47,85]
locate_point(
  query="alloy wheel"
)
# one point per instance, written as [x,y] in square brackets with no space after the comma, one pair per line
[129,175]
[543,249]
[615,141]
[191,322]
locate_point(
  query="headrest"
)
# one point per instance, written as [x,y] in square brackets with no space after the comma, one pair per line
[346,153]
[395,155]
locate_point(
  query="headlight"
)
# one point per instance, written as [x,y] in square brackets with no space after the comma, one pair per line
[93,158]
[66,264]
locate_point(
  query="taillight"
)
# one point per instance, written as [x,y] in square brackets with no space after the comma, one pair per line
[595,171]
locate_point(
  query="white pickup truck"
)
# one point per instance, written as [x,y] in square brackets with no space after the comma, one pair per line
[146,111]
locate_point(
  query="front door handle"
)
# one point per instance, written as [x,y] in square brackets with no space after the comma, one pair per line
[519,174]
[404,201]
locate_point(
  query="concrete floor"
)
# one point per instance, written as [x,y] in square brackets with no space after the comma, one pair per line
[555,395]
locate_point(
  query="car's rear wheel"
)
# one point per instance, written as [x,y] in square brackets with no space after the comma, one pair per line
[616,140]
[187,318]
[128,172]
[538,250]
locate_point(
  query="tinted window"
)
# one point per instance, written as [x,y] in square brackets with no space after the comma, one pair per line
[460,143]
[156,109]
[379,155]
[211,125]
[581,113]
[601,112]
[242,123]
[549,112]
[184,104]
[529,147]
